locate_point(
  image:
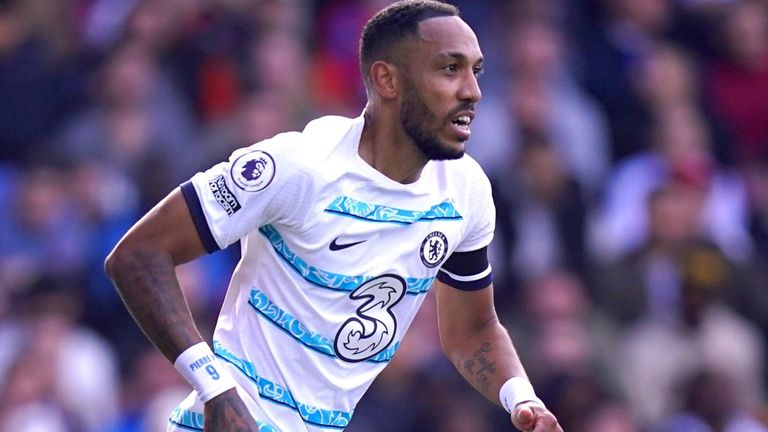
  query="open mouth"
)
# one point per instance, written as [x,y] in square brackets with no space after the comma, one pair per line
[462,121]
[461,124]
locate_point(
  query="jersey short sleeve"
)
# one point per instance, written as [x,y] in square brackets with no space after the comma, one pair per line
[468,267]
[258,185]
[482,219]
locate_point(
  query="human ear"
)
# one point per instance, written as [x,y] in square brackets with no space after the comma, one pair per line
[385,79]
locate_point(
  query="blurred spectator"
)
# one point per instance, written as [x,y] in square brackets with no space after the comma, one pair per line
[157,26]
[276,16]
[539,94]
[102,22]
[138,126]
[42,230]
[151,390]
[36,84]
[277,64]
[540,212]
[576,396]
[705,5]
[107,203]
[709,404]
[669,81]
[239,47]
[53,23]
[567,346]
[738,80]
[51,361]
[336,84]
[695,24]
[658,352]
[559,330]
[25,403]
[260,115]
[647,281]
[616,48]
[758,193]
[611,417]
[681,153]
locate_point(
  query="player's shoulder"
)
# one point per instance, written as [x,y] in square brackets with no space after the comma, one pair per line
[294,157]
[331,128]
[300,148]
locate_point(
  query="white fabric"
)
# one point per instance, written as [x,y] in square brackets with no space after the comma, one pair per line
[515,391]
[307,320]
[202,370]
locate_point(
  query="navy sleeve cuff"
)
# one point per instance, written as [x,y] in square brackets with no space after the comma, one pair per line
[465,285]
[467,271]
[198,217]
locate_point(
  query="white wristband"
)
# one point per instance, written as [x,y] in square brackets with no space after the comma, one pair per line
[516,391]
[200,367]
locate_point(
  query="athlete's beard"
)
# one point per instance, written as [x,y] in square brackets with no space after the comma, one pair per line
[415,115]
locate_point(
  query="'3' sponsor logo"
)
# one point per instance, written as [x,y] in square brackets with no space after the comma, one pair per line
[373,327]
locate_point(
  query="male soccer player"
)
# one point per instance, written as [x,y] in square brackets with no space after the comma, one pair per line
[344,227]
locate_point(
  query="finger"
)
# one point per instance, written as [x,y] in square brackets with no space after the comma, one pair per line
[546,423]
[524,418]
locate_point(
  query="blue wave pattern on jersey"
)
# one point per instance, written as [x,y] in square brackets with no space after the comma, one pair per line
[281,395]
[300,332]
[347,206]
[194,421]
[330,280]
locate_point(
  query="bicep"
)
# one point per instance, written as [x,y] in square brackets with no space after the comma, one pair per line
[465,292]
[168,227]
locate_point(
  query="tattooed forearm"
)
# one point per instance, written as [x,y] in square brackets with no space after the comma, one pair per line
[484,356]
[227,412]
[480,366]
[147,283]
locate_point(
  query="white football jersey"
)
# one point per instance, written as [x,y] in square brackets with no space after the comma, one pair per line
[336,260]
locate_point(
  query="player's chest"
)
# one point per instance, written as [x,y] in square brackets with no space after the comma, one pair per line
[358,233]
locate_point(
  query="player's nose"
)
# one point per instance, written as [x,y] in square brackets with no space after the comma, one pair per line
[470,90]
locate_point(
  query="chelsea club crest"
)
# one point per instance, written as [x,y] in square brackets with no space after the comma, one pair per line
[433,249]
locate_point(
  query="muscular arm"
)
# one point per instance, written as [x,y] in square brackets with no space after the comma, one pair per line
[474,340]
[480,348]
[142,267]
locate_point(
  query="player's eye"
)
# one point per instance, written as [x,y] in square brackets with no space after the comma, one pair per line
[453,67]
[478,71]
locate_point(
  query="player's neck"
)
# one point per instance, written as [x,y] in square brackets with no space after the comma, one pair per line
[387,148]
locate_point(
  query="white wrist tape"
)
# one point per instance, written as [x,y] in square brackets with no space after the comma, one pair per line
[200,367]
[516,391]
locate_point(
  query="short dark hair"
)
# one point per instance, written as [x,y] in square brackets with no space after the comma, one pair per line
[392,25]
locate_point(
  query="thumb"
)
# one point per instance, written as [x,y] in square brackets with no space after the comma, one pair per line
[524,417]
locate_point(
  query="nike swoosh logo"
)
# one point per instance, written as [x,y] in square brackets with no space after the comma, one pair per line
[339,246]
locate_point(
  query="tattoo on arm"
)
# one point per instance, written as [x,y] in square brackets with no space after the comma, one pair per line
[479,366]
[147,282]
[227,412]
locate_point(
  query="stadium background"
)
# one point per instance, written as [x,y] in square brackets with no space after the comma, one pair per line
[627,141]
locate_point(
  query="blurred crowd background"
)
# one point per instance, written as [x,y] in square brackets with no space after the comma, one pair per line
[627,141]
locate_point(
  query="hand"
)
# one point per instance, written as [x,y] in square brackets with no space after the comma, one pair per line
[532,417]
[227,413]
